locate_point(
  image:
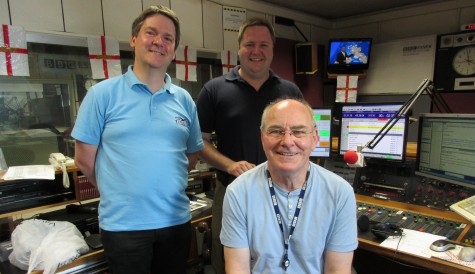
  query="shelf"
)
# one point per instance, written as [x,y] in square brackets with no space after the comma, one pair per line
[70,195]
[334,75]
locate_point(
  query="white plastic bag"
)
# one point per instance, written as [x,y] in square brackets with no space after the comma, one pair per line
[40,244]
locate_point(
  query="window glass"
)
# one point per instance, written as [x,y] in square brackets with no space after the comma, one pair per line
[37,113]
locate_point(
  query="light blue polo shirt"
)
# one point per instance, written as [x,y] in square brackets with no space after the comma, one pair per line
[142,140]
[327,220]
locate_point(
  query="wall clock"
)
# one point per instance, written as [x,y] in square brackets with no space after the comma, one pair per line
[454,68]
[464,61]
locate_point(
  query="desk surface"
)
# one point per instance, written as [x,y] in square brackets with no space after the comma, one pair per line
[197,216]
[365,242]
[370,243]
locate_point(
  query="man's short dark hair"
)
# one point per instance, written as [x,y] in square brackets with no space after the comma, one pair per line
[256,21]
[138,22]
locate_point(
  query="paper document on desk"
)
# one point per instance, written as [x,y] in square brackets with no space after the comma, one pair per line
[412,241]
[45,172]
[196,205]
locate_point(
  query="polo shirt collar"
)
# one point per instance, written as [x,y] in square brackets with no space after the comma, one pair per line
[132,80]
[233,75]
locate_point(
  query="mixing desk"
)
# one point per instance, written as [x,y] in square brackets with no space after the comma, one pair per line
[414,217]
[411,220]
[396,181]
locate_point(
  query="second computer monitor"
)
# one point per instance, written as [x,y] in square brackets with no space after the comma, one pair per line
[361,122]
[446,148]
[323,117]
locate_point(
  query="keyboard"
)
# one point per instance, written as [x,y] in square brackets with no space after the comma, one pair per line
[465,208]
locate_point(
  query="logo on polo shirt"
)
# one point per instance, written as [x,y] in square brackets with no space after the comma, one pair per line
[181,121]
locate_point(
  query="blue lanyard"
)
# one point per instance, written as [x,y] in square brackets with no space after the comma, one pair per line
[285,259]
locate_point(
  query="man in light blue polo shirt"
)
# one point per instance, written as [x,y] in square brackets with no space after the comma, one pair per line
[289,215]
[137,135]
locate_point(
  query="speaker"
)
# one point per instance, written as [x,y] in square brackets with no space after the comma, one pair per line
[384,230]
[454,68]
[306,58]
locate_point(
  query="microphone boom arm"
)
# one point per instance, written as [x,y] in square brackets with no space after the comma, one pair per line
[425,86]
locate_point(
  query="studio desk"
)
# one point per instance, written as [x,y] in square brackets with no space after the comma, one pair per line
[423,217]
[418,218]
[445,222]
[204,181]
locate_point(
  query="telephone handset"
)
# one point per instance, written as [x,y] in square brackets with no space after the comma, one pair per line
[58,160]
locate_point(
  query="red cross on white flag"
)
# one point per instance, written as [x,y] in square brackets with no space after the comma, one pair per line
[13,52]
[228,60]
[104,56]
[186,63]
[346,88]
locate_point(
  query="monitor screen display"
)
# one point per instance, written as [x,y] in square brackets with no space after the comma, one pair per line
[323,117]
[349,54]
[359,124]
[446,148]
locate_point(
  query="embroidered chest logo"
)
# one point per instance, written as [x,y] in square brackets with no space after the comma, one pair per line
[181,121]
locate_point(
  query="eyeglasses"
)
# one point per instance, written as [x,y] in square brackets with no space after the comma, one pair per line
[279,133]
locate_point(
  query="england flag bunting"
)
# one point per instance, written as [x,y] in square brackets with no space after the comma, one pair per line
[228,60]
[186,63]
[104,55]
[346,88]
[13,51]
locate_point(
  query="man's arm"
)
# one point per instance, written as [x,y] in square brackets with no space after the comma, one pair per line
[338,262]
[238,260]
[192,159]
[213,157]
[85,160]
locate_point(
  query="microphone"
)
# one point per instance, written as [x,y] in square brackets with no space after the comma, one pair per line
[354,158]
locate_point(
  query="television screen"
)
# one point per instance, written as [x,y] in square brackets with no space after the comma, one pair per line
[359,124]
[349,54]
[323,117]
[446,149]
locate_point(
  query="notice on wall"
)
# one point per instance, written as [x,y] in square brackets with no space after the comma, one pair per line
[233,18]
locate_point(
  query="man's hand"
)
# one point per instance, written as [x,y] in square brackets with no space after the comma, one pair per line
[238,168]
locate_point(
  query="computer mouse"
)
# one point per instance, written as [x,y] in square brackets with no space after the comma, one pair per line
[441,245]
[467,254]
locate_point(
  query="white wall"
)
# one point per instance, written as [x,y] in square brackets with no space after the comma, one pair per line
[437,18]
[4,17]
[202,19]
[390,72]
[190,13]
[37,15]
[202,25]
[77,11]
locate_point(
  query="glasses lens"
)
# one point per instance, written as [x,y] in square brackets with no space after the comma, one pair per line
[279,133]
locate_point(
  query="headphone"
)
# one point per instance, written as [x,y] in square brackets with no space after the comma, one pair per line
[384,230]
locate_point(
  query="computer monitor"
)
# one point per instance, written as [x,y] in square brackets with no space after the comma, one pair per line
[323,117]
[446,148]
[359,124]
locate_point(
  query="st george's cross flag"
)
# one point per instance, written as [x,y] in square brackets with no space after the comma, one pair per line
[186,63]
[104,55]
[228,60]
[346,88]
[13,51]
